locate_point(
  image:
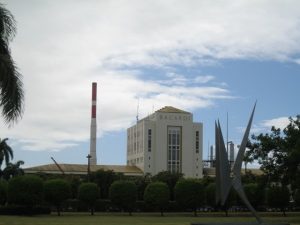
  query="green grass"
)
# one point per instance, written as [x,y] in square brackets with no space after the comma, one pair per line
[140,219]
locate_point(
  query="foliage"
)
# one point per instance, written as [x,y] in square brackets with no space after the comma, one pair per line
[254,194]
[210,195]
[11,88]
[190,193]
[13,170]
[25,190]
[157,195]
[3,192]
[169,178]
[279,153]
[6,152]
[141,183]
[56,191]
[278,197]
[24,210]
[104,178]
[88,193]
[297,197]
[123,194]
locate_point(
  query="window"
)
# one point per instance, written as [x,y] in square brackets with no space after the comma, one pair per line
[197,141]
[174,148]
[149,140]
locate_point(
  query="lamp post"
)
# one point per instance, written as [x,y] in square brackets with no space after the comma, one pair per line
[89,164]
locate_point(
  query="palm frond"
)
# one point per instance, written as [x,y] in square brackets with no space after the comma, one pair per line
[11,87]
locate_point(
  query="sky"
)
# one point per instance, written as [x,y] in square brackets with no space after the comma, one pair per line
[206,57]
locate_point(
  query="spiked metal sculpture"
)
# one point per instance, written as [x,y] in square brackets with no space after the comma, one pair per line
[225,178]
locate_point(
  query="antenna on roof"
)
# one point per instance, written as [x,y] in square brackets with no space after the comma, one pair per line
[137,110]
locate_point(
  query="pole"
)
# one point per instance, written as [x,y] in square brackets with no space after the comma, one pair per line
[88,169]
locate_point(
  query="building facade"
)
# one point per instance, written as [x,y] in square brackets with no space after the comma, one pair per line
[167,140]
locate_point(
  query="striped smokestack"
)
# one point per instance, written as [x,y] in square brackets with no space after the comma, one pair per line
[93,140]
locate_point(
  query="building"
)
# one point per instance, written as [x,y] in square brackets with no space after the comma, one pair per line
[167,140]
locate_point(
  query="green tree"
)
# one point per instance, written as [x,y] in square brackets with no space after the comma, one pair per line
[6,152]
[123,194]
[25,190]
[169,178]
[297,197]
[3,192]
[89,193]
[13,170]
[11,87]
[157,195]
[141,183]
[278,197]
[278,153]
[190,193]
[56,191]
[104,178]
[210,195]
[254,193]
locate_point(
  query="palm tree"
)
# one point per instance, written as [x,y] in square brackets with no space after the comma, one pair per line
[13,169]
[11,87]
[6,152]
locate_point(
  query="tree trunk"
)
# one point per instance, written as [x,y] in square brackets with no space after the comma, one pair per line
[92,211]
[195,212]
[58,210]
[161,212]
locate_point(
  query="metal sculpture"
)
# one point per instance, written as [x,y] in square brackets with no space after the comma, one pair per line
[227,178]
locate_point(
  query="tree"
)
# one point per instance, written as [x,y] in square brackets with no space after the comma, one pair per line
[169,178]
[190,193]
[56,191]
[25,190]
[157,195]
[123,194]
[254,193]
[6,152]
[278,197]
[297,197]
[3,192]
[89,193]
[13,170]
[279,153]
[210,195]
[11,87]
[104,179]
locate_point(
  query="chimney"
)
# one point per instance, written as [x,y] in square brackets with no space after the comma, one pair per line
[93,139]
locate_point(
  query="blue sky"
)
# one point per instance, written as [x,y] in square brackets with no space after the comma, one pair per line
[205,57]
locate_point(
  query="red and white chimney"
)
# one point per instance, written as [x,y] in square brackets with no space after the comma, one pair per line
[93,140]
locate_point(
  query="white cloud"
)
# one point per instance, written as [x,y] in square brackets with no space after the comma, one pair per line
[61,47]
[266,125]
[280,122]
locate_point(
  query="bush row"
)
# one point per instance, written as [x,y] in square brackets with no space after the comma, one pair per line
[189,194]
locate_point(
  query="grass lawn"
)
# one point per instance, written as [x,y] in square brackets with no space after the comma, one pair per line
[139,219]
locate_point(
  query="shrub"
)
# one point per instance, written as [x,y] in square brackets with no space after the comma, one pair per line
[123,195]
[24,210]
[297,197]
[56,191]
[25,190]
[190,193]
[88,193]
[278,197]
[210,195]
[157,195]
[3,192]
[254,194]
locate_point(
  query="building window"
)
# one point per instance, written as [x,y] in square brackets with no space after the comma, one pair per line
[197,141]
[174,148]
[149,140]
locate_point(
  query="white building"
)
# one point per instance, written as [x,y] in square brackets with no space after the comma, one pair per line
[167,140]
